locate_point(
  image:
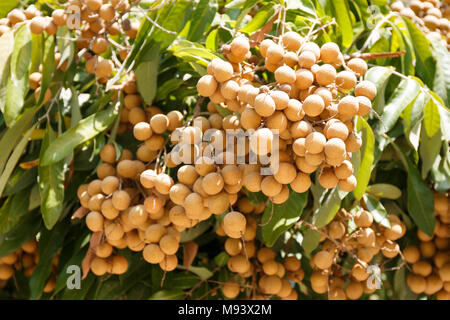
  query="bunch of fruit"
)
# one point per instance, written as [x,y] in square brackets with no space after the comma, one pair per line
[432,17]
[350,244]
[430,258]
[26,258]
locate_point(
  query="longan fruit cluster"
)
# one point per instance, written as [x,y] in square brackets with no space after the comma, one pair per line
[368,243]
[273,278]
[431,16]
[26,258]
[310,105]
[430,258]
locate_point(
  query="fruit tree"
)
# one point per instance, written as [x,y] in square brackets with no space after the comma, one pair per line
[242,149]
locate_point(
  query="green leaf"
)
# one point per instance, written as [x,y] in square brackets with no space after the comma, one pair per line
[49,244]
[7,45]
[85,130]
[380,77]
[194,232]
[384,190]
[420,200]
[404,94]
[429,149]
[17,84]
[278,218]
[48,67]
[221,259]
[260,19]
[202,272]
[328,209]
[65,46]
[14,158]
[12,136]
[189,51]
[341,12]
[441,83]
[6,6]
[25,231]
[147,74]
[367,157]
[377,210]
[13,210]
[310,241]
[181,280]
[167,295]
[20,180]
[431,118]
[212,42]
[400,288]
[201,19]
[51,184]
[425,63]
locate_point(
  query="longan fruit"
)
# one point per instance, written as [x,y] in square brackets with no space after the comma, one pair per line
[222,70]
[37,25]
[367,89]
[334,148]
[30,246]
[94,221]
[119,265]
[274,53]
[264,105]
[363,219]
[239,264]
[193,204]
[390,249]
[35,80]
[137,215]
[234,224]
[152,253]
[327,179]
[163,182]
[290,59]
[348,106]
[315,142]
[358,66]
[353,142]
[230,289]
[159,123]
[233,246]
[169,244]
[104,68]
[147,178]
[285,174]
[337,129]
[250,119]
[411,254]
[95,202]
[100,266]
[280,98]
[132,101]
[15,16]
[285,74]
[175,118]
[126,168]
[261,141]
[6,272]
[306,59]
[265,44]
[344,170]
[359,272]
[109,184]
[108,210]
[345,80]
[270,187]
[323,259]
[252,181]
[107,12]
[416,283]
[301,183]
[104,250]
[313,105]
[121,200]
[336,230]
[212,183]
[325,75]
[444,272]
[281,197]
[329,52]
[300,129]
[304,78]
[291,40]
[99,45]
[354,290]
[347,184]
